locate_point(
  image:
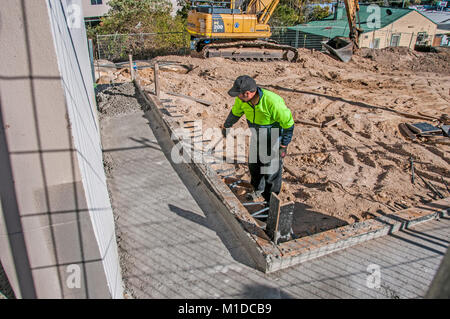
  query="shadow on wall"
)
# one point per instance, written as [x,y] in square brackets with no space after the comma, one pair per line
[61,207]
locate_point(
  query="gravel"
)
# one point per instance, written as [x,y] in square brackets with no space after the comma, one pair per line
[114,99]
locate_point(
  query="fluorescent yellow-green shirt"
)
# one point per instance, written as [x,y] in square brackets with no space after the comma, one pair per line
[270,110]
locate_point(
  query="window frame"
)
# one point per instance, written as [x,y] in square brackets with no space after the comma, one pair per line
[376,43]
[399,35]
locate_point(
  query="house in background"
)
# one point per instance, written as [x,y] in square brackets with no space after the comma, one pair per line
[93,10]
[442,19]
[395,27]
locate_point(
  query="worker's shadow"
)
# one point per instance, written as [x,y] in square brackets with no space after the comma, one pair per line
[220,228]
[308,222]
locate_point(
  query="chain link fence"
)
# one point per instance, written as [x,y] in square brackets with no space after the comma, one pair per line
[297,38]
[310,37]
[143,46]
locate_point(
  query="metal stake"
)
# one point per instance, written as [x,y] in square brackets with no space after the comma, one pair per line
[254,203]
[260,211]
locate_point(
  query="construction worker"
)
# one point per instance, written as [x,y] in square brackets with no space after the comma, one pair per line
[272,126]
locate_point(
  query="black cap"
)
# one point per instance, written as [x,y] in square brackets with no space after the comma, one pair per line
[242,84]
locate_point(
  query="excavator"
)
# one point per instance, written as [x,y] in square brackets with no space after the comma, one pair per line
[343,48]
[239,30]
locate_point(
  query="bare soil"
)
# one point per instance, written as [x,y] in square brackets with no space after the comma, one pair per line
[351,171]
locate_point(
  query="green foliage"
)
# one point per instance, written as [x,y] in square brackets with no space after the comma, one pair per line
[133,7]
[127,17]
[292,12]
[284,15]
[185,7]
[138,16]
[319,13]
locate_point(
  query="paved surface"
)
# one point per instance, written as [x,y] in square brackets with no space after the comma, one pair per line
[174,245]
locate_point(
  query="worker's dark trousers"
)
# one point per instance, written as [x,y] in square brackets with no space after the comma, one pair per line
[266,177]
[267,183]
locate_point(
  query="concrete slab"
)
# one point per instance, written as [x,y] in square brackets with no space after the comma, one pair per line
[174,244]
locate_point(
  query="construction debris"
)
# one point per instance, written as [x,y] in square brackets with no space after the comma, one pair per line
[431,187]
[332,122]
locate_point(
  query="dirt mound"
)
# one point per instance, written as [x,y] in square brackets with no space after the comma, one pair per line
[438,62]
[403,58]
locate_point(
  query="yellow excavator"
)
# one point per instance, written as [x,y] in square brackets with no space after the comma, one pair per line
[239,30]
[236,29]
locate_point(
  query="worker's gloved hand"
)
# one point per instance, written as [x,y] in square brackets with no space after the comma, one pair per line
[283,151]
[224,132]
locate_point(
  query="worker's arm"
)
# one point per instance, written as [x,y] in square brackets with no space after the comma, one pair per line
[231,120]
[286,136]
[283,116]
[234,116]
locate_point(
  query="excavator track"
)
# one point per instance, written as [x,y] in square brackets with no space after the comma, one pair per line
[256,50]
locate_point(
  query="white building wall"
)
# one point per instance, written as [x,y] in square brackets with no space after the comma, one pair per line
[74,65]
[57,237]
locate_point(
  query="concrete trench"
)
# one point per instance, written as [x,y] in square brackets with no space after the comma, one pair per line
[267,256]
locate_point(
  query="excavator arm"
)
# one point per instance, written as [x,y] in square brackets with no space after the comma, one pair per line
[352,8]
[263,8]
[341,47]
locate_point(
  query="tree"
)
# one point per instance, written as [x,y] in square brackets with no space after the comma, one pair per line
[138,16]
[291,12]
[285,15]
[318,13]
[127,17]
[185,7]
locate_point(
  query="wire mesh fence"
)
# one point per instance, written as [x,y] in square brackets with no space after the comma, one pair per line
[117,47]
[298,38]
[312,37]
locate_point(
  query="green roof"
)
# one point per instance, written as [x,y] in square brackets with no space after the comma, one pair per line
[330,27]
